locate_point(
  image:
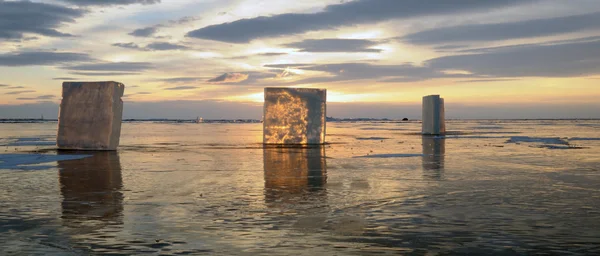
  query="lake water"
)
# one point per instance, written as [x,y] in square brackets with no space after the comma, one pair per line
[489,187]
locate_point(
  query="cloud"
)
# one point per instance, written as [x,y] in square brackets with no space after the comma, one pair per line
[284,73]
[344,14]
[19,92]
[4,85]
[40,58]
[180,79]
[137,93]
[334,45]
[165,46]
[144,32]
[557,60]
[152,30]
[157,46]
[290,65]
[450,47]
[184,20]
[484,80]
[128,46]
[579,58]
[42,97]
[16,87]
[105,73]
[64,78]
[20,17]
[271,54]
[110,2]
[177,88]
[229,78]
[112,66]
[339,72]
[264,54]
[506,31]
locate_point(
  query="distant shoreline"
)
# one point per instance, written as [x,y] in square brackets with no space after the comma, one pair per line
[387,120]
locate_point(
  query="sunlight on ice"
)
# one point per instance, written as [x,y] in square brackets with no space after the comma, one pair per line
[294,116]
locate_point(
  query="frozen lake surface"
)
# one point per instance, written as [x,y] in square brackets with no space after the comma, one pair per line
[488,187]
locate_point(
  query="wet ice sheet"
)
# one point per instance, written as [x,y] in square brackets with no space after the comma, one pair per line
[32,161]
[25,141]
[212,189]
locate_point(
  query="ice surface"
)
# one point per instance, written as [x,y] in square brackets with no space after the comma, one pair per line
[583,139]
[373,138]
[203,191]
[33,141]
[389,155]
[90,115]
[433,115]
[527,139]
[27,161]
[294,116]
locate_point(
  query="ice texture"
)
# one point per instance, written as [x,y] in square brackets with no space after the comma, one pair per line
[433,115]
[90,115]
[294,116]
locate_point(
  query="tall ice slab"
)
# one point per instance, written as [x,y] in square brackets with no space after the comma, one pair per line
[90,115]
[434,122]
[294,116]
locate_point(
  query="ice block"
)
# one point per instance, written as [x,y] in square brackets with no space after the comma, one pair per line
[294,116]
[90,116]
[433,115]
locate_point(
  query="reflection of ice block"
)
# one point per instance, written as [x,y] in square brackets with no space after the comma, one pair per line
[91,189]
[433,115]
[291,173]
[90,115]
[434,150]
[294,116]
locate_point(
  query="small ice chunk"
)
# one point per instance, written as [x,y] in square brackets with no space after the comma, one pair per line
[433,115]
[90,115]
[294,116]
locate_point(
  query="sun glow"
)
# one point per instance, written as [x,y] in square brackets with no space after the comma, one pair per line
[255,97]
[333,96]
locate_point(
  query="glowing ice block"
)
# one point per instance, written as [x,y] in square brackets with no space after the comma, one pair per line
[90,115]
[433,115]
[294,116]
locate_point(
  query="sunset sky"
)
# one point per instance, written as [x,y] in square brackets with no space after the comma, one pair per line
[376,58]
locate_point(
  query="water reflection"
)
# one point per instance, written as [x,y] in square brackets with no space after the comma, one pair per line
[294,175]
[91,190]
[433,157]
